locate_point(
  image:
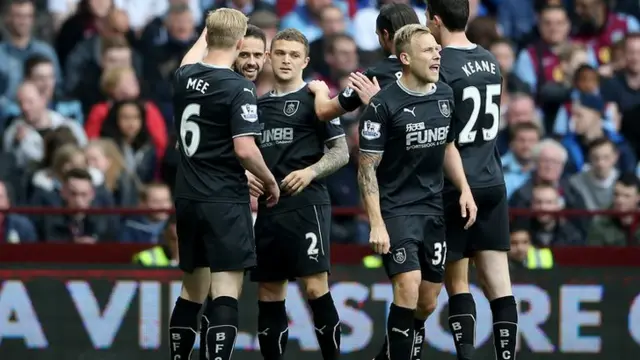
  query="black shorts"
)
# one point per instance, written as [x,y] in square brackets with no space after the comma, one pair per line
[491,229]
[292,244]
[214,235]
[417,243]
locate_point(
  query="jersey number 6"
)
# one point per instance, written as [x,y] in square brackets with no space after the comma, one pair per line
[187,126]
[468,134]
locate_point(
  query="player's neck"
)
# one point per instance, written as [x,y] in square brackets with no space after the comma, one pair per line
[458,39]
[413,84]
[219,58]
[285,87]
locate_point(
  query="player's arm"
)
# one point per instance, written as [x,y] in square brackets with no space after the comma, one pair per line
[197,51]
[372,142]
[327,108]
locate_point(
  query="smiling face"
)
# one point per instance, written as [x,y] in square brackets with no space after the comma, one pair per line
[251,58]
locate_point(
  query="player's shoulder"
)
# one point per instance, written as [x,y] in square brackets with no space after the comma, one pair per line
[459,62]
[387,94]
[443,90]
[386,67]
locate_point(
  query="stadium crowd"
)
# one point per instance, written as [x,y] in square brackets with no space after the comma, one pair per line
[86,114]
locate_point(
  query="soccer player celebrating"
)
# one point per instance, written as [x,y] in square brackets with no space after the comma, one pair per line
[218,122]
[391,18]
[252,54]
[292,238]
[474,75]
[405,144]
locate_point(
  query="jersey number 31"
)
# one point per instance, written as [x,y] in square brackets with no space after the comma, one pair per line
[468,134]
[187,126]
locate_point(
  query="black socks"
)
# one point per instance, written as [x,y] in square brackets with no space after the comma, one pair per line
[327,324]
[462,324]
[183,327]
[204,325]
[418,342]
[505,327]
[400,332]
[273,329]
[222,313]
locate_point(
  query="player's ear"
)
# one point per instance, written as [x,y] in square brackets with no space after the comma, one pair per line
[239,44]
[405,59]
[385,35]
[306,63]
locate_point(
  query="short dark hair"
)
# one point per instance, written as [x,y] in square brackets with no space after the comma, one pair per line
[585,68]
[551,7]
[502,41]
[629,179]
[525,126]
[394,16]
[255,32]
[331,40]
[77,173]
[291,34]
[601,142]
[178,9]
[34,61]
[453,13]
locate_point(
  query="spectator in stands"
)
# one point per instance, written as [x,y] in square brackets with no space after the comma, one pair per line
[549,229]
[248,7]
[306,17]
[595,183]
[77,192]
[24,137]
[518,162]
[539,63]
[502,49]
[550,158]
[483,30]
[104,155]
[516,18]
[341,54]
[14,228]
[588,112]
[121,84]
[87,21]
[125,125]
[332,23]
[615,230]
[40,70]
[523,255]
[20,45]
[586,81]
[267,22]
[164,54]
[599,26]
[630,128]
[365,20]
[148,228]
[12,175]
[624,87]
[165,254]
[92,56]
[521,108]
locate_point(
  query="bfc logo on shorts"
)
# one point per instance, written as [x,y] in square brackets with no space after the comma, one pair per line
[419,137]
[400,256]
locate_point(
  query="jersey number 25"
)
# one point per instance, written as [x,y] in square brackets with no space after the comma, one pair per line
[468,134]
[187,126]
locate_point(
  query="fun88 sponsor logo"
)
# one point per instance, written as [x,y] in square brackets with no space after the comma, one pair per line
[419,137]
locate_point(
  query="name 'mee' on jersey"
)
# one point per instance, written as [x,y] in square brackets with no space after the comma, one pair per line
[292,139]
[411,131]
[212,106]
[387,71]
[474,75]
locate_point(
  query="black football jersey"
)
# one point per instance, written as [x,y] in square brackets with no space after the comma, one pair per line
[212,106]
[387,71]
[474,75]
[411,130]
[293,138]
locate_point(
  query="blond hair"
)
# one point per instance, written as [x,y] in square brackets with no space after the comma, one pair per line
[116,161]
[62,156]
[110,79]
[404,35]
[225,27]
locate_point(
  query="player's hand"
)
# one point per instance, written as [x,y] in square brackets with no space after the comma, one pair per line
[272,192]
[256,186]
[318,87]
[297,181]
[364,87]
[468,208]
[379,239]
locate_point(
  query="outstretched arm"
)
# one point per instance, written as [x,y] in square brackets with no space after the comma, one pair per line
[368,184]
[197,51]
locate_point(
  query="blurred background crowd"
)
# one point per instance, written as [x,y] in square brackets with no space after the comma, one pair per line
[86,114]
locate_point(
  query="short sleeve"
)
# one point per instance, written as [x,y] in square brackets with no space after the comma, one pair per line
[244,111]
[373,127]
[332,129]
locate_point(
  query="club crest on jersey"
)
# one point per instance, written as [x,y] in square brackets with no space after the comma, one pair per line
[444,107]
[370,130]
[400,256]
[291,107]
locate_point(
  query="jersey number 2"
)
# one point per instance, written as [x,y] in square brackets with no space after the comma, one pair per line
[312,250]
[468,134]
[187,126]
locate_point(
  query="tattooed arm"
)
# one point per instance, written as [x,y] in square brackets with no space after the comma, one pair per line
[336,157]
[368,184]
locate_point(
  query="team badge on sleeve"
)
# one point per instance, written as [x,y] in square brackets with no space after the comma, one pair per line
[291,107]
[371,130]
[444,107]
[335,122]
[249,112]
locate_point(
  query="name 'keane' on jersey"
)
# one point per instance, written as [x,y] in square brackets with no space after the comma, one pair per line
[473,67]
